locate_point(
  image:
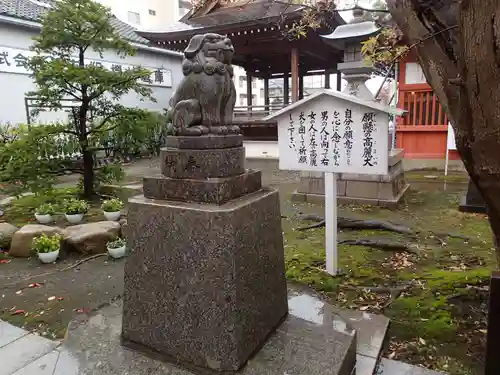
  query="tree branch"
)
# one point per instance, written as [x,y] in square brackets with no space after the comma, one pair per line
[109,88]
[98,128]
[106,23]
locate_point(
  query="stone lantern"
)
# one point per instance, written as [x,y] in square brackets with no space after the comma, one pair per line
[383,190]
[355,70]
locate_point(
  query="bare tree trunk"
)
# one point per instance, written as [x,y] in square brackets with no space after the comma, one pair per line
[88,156]
[457,44]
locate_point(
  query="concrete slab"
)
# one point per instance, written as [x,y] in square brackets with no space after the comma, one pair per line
[23,351]
[10,333]
[42,366]
[390,367]
[365,365]
[312,340]
[371,330]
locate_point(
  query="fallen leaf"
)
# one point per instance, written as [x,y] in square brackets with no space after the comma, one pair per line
[19,292]
[60,298]
[4,261]
[51,298]
[17,312]
[363,308]
[82,310]
[483,331]
[34,285]
[422,341]
[392,355]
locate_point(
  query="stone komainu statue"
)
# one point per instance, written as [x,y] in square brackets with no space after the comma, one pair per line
[204,100]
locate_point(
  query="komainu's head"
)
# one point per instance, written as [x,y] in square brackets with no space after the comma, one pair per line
[210,47]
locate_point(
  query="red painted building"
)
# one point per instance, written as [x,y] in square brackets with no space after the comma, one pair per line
[423,131]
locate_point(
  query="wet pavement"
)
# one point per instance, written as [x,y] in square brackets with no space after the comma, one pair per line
[315,339]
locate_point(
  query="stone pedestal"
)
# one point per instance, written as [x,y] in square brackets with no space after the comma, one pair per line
[472,201]
[383,190]
[205,280]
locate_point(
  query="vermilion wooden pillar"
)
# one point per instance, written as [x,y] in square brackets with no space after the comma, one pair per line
[249,91]
[286,91]
[301,86]
[266,93]
[295,74]
[327,79]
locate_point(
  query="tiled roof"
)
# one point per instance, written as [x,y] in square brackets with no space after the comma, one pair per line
[243,11]
[33,11]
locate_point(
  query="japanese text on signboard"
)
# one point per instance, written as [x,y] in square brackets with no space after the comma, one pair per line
[342,140]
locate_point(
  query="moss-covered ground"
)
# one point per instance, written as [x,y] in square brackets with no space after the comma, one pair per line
[436,299]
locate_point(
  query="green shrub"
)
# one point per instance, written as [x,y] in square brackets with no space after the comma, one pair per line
[75,206]
[119,242]
[112,205]
[47,244]
[46,209]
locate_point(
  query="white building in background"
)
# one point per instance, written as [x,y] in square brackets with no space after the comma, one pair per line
[148,14]
[20,22]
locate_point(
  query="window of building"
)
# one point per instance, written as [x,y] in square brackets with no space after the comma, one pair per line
[184,7]
[242,81]
[243,99]
[134,18]
[152,12]
[254,83]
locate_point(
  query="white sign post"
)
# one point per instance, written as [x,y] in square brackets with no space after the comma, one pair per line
[332,262]
[450,145]
[333,133]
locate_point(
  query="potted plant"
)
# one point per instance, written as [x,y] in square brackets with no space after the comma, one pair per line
[43,214]
[116,248]
[75,209]
[47,247]
[112,209]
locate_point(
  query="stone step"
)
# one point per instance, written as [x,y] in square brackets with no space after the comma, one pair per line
[20,349]
[316,338]
[391,367]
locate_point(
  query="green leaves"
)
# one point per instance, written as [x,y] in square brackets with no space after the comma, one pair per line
[47,243]
[34,158]
[65,76]
[79,24]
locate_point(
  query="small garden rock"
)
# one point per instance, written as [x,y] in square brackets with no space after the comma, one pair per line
[6,232]
[91,237]
[22,240]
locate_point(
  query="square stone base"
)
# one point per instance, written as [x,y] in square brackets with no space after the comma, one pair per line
[472,202]
[204,284]
[381,190]
[210,190]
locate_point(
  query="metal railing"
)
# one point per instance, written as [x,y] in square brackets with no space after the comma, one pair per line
[255,112]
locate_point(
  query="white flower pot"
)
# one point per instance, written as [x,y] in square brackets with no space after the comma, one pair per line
[74,219]
[112,216]
[48,257]
[43,219]
[118,252]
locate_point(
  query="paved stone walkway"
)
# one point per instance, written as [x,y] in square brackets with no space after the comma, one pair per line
[23,353]
[92,345]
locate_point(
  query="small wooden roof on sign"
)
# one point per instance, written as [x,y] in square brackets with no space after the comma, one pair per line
[257,29]
[338,95]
